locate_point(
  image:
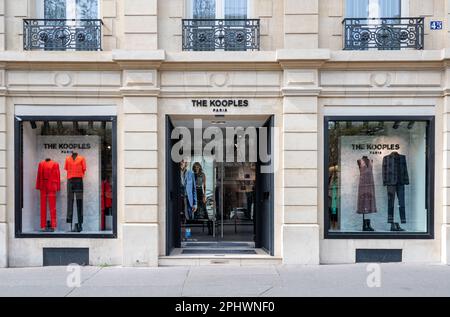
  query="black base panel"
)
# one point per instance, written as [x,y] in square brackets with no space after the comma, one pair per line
[65,256]
[378,255]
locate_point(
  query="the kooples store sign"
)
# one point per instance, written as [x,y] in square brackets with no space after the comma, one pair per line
[375,148]
[67,147]
[220,105]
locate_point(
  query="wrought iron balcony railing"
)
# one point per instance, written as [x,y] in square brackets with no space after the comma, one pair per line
[384,34]
[61,34]
[221,34]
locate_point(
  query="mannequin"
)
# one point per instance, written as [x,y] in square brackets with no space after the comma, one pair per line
[366,191]
[395,177]
[75,167]
[188,192]
[333,196]
[48,183]
[106,201]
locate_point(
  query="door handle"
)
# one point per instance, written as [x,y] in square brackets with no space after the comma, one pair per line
[266,195]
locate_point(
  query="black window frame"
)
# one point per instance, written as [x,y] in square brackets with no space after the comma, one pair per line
[430,177]
[18,160]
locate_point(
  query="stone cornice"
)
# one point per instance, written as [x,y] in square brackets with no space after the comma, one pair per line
[226,61]
[304,92]
[138,59]
[307,59]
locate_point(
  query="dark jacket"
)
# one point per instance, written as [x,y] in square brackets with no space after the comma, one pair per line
[395,170]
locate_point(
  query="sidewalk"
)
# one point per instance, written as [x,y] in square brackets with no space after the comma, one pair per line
[325,280]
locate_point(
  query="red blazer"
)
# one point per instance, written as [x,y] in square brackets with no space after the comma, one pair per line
[106,201]
[48,177]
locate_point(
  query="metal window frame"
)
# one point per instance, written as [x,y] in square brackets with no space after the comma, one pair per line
[430,178]
[18,182]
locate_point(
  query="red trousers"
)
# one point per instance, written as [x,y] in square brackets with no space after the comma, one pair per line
[49,196]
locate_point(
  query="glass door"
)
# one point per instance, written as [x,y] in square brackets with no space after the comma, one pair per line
[235,202]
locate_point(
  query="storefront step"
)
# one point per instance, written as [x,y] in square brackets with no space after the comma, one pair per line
[238,260]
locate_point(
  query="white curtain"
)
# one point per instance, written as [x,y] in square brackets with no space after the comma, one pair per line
[235,9]
[55,9]
[87,9]
[84,9]
[390,8]
[360,8]
[204,9]
[357,9]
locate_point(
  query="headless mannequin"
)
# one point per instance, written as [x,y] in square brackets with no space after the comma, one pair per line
[49,227]
[366,222]
[76,192]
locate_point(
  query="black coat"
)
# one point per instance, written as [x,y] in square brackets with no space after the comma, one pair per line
[395,170]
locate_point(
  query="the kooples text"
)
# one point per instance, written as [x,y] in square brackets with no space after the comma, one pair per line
[376,147]
[67,146]
[220,103]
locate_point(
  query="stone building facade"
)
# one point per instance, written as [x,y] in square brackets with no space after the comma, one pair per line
[303,67]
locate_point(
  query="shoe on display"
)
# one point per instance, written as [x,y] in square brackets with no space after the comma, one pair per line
[393,227]
[367,226]
[397,226]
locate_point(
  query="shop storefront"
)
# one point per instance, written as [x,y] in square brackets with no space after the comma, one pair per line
[222,201]
[221,180]
[65,176]
[379,177]
[286,163]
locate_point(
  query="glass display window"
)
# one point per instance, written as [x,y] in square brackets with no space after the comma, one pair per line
[379,177]
[65,176]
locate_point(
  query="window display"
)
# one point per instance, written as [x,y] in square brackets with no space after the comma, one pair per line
[66,173]
[378,176]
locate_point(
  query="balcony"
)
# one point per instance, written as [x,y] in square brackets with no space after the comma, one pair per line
[62,35]
[221,34]
[384,34]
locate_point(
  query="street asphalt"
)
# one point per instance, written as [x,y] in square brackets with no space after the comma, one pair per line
[230,281]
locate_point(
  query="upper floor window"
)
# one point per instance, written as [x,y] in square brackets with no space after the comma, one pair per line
[220,25]
[68,9]
[218,9]
[64,25]
[380,24]
[373,9]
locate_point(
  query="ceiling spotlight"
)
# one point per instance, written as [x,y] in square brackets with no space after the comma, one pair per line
[411,125]
[59,126]
[396,125]
[33,125]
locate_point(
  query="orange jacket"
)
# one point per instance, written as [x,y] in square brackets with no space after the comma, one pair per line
[75,168]
[48,177]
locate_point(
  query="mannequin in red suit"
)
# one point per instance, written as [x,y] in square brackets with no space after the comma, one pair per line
[106,201]
[48,183]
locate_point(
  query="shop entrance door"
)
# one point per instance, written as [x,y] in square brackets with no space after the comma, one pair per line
[234,198]
[235,202]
